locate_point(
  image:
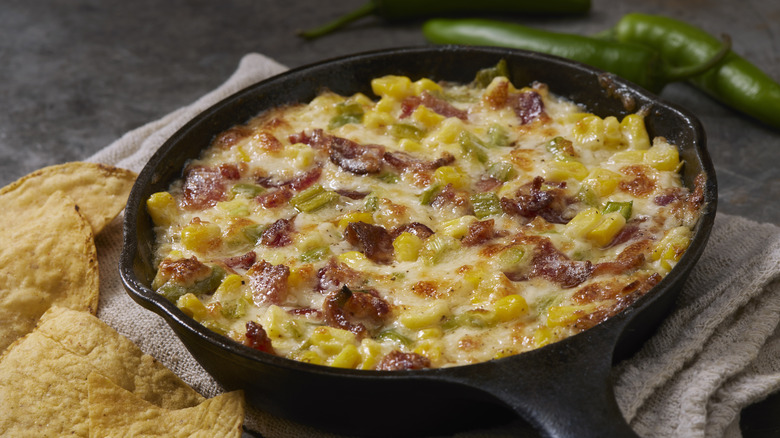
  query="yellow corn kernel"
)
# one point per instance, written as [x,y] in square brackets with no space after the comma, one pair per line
[370,353]
[330,340]
[607,229]
[425,84]
[627,157]
[613,136]
[421,318]
[353,259]
[429,348]
[162,208]
[563,170]
[663,156]
[236,208]
[589,131]
[306,241]
[407,247]
[357,216]
[409,145]
[582,223]
[543,336]
[301,155]
[492,287]
[192,306]
[672,246]
[430,333]
[457,228]
[510,307]
[473,277]
[447,131]
[602,181]
[386,105]
[308,356]
[201,236]
[243,155]
[360,99]
[279,324]
[393,86]
[232,286]
[451,175]
[427,117]
[377,119]
[634,132]
[325,102]
[563,315]
[349,357]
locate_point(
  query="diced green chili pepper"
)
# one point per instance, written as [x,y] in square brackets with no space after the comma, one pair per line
[253,233]
[388,177]
[588,196]
[173,291]
[559,147]
[498,136]
[346,113]
[428,194]
[472,146]
[372,203]
[405,130]
[313,199]
[234,309]
[246,190]
[501,171]
[486,75]
[623,207]
[393,335]
[512,257]
[314,254]
[436,247]
[485,204]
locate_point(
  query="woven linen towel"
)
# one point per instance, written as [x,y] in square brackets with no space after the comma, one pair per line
[717,352]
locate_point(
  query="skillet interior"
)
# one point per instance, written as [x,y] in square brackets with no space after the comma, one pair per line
[538,385]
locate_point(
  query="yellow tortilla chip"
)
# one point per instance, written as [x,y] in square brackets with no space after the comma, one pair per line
[47,257]
[116,412]
[99,190]
[43,376]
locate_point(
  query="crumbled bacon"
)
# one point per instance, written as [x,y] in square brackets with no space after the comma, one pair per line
[373,240]
[551,264]
[420,230]
[486,184]
[268,282]
[402,161]
[352,194]
[244,261]
[278,234]
[531,201]
[454,198]
[204,186]
[334,275]
[298,182]
[631,257]
[351,311]
[353,157]
[527,105]
[435,104]
[257,338]
[182,271]
[398,360]
[479,232]
[274,198]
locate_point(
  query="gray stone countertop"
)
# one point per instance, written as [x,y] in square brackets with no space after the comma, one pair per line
[77,74]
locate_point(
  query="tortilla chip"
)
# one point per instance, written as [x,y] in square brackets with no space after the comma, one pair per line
[116,412]
[44,376]
[47,257]
[99,190]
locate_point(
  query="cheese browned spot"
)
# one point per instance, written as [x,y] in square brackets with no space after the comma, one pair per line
[436,225]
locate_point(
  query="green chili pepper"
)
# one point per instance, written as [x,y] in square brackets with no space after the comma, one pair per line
[624,208]
[558,148]
[635,62]
[485,204]
[735,81]
[313,198]
[406,9]
[346,113]
[501,171]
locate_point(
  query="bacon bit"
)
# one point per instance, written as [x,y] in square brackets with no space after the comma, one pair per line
[402,161]
[552,264]
[373,240]
[299,182]
[182,271]
[243,261]
[317,140]
[367,305]
[352,194]
[435,104]
[631,257]
[356,158]
[335,275]
[278,234]
[420,230]
[528,106]
[274,198]
[257,338]
[628,232]
[333,310]
[641,184]
[267,141]
[487,183]
[452,197]
[674,194]
[426,289]
[232,136]
[398,360]
[205,186]
[532,201]
[598,291]
[479,232]
[268,282]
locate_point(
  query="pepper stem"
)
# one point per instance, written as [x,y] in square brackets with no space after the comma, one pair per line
[364,11]
[674,74]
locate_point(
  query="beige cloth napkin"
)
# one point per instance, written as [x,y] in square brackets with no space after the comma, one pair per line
[718,352]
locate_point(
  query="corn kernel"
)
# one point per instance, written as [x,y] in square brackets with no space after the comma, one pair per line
[353,259]
[613,137]
[663,156]
[450,175]
[409,145]
[192,306]
[162,208]
[627,157]
[357,216]
[510,307]
[308,356]
[407,247]
[236,208]
[397,87]
[360,99]
[386,105]
[301,155]
[582,223]
[634,132]
[330,340]
[563,170]
[279,324]
[370,353]
[457,228]
[231,287]
[426,117]
[448,131]
[349,357]
[607,229]
[563,315]
[201,236]
[543,336]
[421,318]
[602,181]
[425,84]
[377,119]
[672,246]
[589,131]
[430,349]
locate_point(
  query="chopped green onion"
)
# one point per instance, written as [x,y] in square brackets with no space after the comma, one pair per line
[485,76]
[558,147]
[436,247]
[472,146]
[246,190]
[313,199]
[254,232]
[314,254]
[346,113]
[388,177]
[502,171]
[393,335]
[485,204]
[372,203]
[234,309]
[624,208]
[403,130]
[428,194]
[469,318]
[498,135]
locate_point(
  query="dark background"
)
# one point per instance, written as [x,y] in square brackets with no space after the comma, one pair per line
[77,74]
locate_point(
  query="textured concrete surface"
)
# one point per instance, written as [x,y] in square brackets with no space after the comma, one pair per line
[77,74]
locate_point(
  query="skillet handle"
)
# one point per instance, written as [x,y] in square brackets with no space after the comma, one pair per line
[564,390]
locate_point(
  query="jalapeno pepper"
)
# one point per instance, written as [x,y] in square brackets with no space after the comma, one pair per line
[735,81]
[635,62]
[400,9]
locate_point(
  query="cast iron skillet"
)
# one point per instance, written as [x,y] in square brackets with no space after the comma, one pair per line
[562,390]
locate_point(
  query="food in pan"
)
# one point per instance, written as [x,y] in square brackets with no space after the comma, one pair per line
[439,225]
